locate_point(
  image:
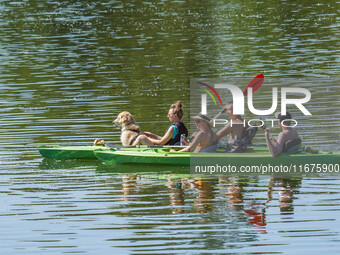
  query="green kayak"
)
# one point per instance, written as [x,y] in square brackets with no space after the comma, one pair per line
[85,152]
[142,155]
[257,155]
[68,152]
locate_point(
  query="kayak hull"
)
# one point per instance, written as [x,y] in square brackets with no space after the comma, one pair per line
[294,161]
[256,158]
[142,156]
[82,152]
[68,152]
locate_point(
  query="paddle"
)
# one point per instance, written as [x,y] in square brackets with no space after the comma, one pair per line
[255,83]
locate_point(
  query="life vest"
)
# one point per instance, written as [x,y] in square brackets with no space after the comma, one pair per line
[179,129]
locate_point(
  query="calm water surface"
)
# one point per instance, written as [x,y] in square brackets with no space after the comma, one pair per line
[69,67]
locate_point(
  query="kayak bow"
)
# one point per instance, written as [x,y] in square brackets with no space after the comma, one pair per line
[68,152]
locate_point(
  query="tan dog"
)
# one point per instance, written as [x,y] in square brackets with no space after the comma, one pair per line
[130,130]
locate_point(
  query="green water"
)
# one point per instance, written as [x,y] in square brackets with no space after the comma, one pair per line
[69,67]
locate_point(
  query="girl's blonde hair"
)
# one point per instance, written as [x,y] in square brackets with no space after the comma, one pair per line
[177,107]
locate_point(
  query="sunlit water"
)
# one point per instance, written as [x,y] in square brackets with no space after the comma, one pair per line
[86,208]
[69,67]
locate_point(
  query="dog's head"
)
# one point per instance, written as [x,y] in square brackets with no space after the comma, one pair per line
[124,119]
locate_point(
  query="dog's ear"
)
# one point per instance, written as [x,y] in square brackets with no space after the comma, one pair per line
[128,118]
[123,119]
[131,119]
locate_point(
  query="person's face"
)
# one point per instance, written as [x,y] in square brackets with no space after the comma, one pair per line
[229,109]
[171,115]
[200,124]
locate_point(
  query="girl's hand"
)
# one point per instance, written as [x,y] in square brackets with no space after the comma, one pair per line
[151,135]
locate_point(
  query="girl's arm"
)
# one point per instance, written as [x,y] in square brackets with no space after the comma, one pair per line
[275,147]
[163,140]
[152,135]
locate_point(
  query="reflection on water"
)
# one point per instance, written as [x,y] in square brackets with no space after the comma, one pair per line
[69,67]
[152,212]
[176,194]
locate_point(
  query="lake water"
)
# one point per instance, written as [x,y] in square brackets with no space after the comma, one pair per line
[69,67]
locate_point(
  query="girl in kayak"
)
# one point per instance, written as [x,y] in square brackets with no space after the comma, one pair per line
[205,140]
[173,134]
[234,130]
[287,140]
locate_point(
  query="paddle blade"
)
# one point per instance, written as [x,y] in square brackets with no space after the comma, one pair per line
[255,83]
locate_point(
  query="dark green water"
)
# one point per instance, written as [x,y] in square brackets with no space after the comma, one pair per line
[69,67]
